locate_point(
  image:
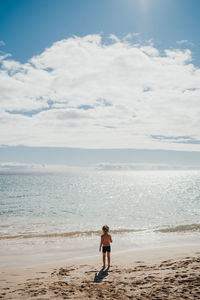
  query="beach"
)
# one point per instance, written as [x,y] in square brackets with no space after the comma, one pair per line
[159,273]
[51,226]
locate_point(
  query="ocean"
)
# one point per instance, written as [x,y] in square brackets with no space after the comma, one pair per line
[62,213]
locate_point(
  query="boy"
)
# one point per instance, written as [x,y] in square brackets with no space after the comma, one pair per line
[106,239]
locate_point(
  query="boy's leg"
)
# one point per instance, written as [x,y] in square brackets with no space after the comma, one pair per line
[104,259]
[108,256]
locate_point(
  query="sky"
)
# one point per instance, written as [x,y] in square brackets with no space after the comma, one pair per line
[100,82]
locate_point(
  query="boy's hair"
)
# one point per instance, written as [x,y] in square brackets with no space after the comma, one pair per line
[105,228]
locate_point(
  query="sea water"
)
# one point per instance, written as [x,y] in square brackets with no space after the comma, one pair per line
[66,211]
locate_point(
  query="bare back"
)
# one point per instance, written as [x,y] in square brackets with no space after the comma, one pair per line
[106,239]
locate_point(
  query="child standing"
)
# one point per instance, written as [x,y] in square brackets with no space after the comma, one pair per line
[106,239]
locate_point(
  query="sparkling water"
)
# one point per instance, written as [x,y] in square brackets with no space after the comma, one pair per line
[139,206]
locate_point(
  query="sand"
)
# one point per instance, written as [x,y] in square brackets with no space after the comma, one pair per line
[165,273]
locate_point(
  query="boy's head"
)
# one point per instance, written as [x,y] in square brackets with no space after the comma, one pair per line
[105,228]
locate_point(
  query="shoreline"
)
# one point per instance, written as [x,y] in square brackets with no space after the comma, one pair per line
[148,255]
[29,252]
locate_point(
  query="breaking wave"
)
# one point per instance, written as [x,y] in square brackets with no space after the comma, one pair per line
[180,228]
[65,234]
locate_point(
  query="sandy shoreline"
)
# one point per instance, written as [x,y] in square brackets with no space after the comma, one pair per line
[160,273]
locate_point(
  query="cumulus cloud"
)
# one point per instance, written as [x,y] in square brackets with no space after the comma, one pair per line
[85,92]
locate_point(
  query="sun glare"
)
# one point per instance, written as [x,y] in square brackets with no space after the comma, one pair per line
[144,3]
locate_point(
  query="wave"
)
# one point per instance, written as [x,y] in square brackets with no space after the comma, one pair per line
[65,234]
[180,228]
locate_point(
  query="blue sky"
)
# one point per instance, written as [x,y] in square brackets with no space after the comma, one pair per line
[109,74]
[28,27]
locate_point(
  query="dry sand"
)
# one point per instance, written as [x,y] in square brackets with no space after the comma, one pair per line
[166,273]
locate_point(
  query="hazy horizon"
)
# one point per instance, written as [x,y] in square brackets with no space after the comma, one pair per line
[44,159]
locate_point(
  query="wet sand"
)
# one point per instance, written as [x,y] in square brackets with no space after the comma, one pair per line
[165,273]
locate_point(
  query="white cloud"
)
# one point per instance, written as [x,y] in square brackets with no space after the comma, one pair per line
[184,42]
[17,167]
[114,38]
[82,92]
[131,36]
[142,167]
[2,43]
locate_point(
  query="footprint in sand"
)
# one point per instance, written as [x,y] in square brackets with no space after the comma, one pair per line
[42,272]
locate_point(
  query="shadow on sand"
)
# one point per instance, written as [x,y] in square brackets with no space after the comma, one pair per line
[101,275]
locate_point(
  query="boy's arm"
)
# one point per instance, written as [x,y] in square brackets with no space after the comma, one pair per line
[100,244]
[110,238]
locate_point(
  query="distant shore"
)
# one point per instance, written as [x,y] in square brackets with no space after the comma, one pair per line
[168,272]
